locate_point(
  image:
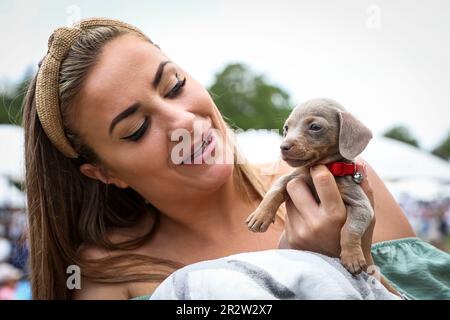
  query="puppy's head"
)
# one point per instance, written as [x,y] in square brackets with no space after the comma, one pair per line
[320,131]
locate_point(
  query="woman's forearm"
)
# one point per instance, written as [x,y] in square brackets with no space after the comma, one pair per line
[391,220]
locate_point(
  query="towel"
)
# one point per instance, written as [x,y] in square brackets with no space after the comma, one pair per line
[270,274]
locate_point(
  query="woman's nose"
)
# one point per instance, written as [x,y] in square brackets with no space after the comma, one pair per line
[177,118]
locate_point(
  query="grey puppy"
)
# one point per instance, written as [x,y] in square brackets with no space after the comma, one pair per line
[321,131]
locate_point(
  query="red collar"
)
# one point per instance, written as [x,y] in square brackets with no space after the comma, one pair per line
[340,169]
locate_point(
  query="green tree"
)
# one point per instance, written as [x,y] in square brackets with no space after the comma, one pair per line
[443,149]
[11,101]
[401,133]
[247,100]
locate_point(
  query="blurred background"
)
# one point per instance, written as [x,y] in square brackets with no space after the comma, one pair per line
[385,61]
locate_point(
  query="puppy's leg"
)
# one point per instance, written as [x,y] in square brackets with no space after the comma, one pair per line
[260,219]
[359,218]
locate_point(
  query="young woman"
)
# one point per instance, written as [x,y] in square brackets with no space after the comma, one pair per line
[103,191]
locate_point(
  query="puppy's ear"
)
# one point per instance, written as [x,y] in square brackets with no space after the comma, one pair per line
[353,135]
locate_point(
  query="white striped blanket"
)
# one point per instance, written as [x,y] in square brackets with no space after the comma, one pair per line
[270,274]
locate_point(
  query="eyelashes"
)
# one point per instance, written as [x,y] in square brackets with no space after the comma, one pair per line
[176,89]
[139,132]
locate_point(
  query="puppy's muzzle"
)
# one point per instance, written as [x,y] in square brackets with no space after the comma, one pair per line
[285,148]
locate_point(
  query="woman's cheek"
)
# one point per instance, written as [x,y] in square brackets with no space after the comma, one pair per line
[143,158]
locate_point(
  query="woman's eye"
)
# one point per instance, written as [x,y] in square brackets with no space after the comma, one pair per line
[139,132]
[315,127]
[176,88]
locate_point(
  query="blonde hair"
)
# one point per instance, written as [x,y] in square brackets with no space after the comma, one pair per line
[66,209]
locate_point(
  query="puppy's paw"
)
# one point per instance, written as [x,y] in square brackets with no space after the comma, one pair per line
[259,220]
[353,260]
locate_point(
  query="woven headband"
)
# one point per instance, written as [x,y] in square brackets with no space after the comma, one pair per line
[47,83]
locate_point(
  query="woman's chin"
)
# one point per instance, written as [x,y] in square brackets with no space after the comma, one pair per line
[210,176]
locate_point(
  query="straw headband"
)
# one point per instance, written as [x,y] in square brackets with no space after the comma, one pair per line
[47,83]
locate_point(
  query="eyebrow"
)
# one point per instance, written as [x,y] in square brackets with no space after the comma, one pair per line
[159,73]
[135,106]
[126,113]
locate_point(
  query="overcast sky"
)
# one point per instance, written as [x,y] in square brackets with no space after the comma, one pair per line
[388,62]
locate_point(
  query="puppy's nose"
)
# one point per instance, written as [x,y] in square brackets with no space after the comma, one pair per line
[286,146]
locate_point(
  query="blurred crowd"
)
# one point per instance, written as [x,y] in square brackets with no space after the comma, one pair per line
[13,255]
[429,219]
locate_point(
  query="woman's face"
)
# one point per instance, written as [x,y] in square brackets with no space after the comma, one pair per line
[131,103]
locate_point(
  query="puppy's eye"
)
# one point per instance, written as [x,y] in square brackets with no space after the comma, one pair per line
[315,127]
[285,130]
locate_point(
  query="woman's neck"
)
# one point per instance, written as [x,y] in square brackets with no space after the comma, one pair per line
[209,216]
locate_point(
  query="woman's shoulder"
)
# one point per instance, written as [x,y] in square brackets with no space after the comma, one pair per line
[91,289]
[270,171]
[116,236]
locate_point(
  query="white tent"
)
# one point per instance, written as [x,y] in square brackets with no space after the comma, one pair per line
[10,196]
[419,189]
[11,152]
[259,146]
[408,170]
[11,165]
[405,169]
[395,160]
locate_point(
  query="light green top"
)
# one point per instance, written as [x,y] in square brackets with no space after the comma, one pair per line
[414,267]
[147,297]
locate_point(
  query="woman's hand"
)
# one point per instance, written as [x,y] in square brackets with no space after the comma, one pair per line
[317,227]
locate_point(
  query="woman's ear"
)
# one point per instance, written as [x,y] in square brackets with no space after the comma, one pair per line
[98,173]
[353,135]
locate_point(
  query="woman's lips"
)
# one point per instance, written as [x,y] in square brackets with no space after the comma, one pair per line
[206,155]
[203,156]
